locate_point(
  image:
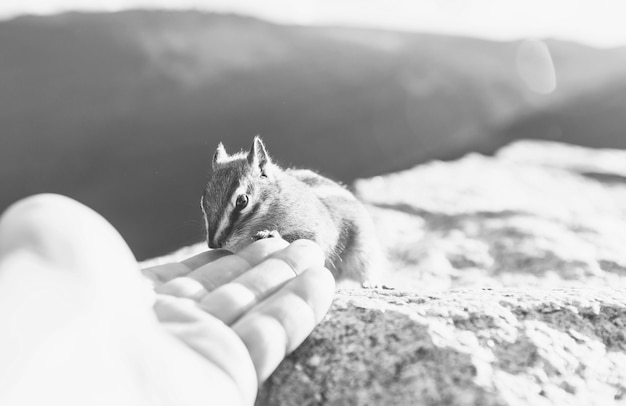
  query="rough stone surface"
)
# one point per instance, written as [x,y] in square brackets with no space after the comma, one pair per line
[510,289]
[461,347]
[512,220]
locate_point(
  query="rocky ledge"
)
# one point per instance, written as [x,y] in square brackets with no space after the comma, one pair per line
[510,289]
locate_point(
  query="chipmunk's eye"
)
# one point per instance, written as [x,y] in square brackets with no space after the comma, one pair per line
[241,202]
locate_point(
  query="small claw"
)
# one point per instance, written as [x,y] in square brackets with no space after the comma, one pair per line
[369,285]
[373,285]
[263,234]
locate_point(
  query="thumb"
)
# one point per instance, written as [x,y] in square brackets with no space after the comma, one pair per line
[74,242]
[69,289]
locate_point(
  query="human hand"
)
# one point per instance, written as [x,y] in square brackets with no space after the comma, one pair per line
[79,326]
[253,292]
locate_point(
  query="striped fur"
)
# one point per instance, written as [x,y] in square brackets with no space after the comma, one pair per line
[296,203]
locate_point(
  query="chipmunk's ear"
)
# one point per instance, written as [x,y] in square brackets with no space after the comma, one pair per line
[219,156]
[258,156]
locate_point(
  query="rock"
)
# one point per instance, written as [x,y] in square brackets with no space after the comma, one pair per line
[462,347]
[503,221]
[510,276]
[606,164]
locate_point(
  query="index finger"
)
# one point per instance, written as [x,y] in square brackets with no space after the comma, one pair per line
[208,277]
[160,274]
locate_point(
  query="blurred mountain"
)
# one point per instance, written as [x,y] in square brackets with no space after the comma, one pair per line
[595,119]
[122,111]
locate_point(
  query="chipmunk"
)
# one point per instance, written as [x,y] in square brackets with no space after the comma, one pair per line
[249,197]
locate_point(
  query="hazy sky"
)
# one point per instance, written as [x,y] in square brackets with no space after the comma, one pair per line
[596,22]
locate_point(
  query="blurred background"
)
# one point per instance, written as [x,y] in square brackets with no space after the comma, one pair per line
[120,104]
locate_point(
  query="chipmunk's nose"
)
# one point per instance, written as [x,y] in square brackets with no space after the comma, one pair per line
[216,238]
[214,244]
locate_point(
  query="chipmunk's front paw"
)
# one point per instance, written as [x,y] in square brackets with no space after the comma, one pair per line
[374,285]
[263,234]
[369,285]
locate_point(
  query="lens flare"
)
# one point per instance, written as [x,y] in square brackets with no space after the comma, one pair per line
[535,66]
